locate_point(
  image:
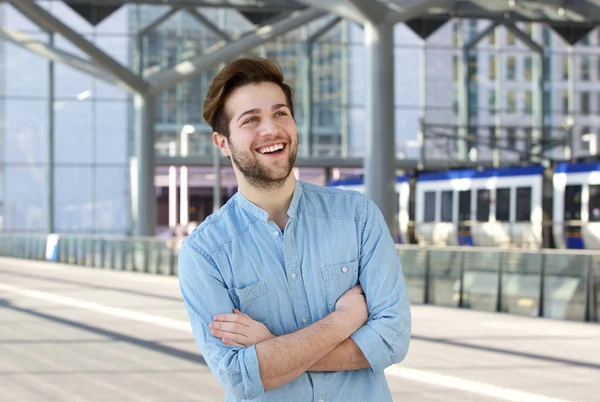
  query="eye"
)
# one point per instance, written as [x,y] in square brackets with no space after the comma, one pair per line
[281,113]
[250,120]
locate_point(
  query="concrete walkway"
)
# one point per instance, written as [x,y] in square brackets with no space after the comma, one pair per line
[70,333]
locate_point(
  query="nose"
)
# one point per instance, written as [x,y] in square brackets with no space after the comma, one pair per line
[268,127]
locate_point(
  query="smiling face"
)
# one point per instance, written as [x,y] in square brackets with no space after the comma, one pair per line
[263,139]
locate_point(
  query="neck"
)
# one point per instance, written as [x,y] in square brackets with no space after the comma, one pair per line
[275,201]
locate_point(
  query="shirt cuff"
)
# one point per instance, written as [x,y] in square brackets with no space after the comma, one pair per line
[252,375]
[371,344]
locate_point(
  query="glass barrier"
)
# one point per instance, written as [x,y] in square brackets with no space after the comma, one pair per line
[558,284]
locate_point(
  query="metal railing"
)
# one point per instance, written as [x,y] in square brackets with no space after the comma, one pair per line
[559,284]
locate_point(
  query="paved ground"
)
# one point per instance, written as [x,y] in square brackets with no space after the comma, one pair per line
[80,334]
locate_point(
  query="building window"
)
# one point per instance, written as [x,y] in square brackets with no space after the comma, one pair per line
[523,204]
[455,67]
[472,28]
[429,206]
[492,102]
[472,68]
[584,139]
[586,40]
[455,33]
[511,67]
[511,102]
[527,68]
[528,102]
[528,28]
[510,38]
[585,68]
[492,37]
[492,67]
[585,103]
[565,102]
[503,204]
[511,137]
[565,68]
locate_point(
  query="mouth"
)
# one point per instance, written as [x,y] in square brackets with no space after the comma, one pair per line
[273,149]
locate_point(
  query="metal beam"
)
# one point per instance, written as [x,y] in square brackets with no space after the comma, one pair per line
[60,56]
[380,143]
[156,23]
[222,51]
[338,7]
[526,39]
[324,29]
[208,24]
[48,22]
[481,35]
[301,162]
[372,11]
[413,10]
[142,167]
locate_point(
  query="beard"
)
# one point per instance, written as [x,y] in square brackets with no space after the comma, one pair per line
[258,175]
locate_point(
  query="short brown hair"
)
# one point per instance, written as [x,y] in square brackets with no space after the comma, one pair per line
[238,73]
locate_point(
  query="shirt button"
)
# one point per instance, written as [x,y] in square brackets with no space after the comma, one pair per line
[345,269]
[305,320]
[293,276]
[275,233]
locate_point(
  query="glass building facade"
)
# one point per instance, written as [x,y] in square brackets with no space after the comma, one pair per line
[92,122]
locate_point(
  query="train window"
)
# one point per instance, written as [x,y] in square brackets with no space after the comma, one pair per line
[464,205]
[594,203]
[483,205]
[447,206]
[429,206]
[572,203]
[523,204]
[503,204]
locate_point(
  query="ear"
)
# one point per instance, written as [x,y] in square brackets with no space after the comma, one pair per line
[222,143]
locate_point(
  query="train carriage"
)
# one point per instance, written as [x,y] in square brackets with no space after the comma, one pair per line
[493,207]
[576,212]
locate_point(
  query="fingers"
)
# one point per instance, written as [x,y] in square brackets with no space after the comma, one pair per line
[229,342]
[234,328]
[231,337]
[237,318]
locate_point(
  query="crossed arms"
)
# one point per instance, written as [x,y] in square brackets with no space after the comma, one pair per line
[348,338]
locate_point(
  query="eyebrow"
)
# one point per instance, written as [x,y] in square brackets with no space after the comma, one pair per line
[253,111]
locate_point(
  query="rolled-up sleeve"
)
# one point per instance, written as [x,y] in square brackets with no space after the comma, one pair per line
[385,338]
[205,295]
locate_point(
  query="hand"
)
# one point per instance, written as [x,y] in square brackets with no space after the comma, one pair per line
[354,304]
[238,329]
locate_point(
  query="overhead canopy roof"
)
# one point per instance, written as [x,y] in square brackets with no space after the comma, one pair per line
[571,19]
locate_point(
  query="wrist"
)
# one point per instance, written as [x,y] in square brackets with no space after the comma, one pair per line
[345,321]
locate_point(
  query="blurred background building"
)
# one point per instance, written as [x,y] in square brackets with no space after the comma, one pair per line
[92,122]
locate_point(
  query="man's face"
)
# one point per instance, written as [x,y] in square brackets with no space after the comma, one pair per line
[263,139]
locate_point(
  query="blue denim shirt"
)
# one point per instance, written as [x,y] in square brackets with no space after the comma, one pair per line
[288,280]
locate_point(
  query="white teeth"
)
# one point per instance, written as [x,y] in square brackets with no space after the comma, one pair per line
[272,148]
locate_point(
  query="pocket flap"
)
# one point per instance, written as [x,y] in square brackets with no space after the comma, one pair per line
[250,292]
[342,269]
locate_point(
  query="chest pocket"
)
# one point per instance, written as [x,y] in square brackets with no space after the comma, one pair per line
[338,279]
[254,301]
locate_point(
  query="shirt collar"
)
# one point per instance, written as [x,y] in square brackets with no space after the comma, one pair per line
[263,215]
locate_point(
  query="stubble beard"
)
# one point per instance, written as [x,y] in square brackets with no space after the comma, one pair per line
[256,174]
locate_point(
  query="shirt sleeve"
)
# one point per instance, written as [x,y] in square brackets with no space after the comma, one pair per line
[206,295]
[385,338]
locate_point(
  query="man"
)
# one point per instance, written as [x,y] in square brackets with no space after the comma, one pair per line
[271,281]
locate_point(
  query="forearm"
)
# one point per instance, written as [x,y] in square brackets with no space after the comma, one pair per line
[284,358]
[345,356]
